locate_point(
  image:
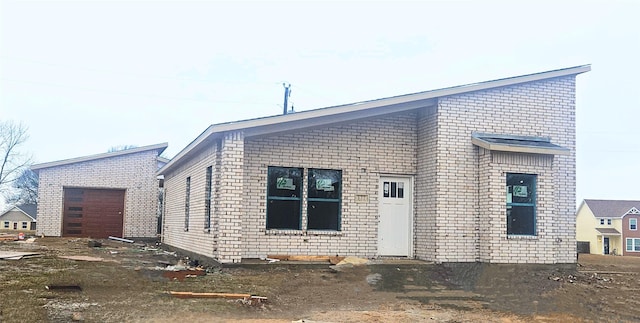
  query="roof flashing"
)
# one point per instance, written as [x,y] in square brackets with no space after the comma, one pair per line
[518,144]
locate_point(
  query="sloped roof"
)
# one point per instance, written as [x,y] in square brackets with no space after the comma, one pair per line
[611,208]
[159,147]
[608,231]
[355,111]
[29,210]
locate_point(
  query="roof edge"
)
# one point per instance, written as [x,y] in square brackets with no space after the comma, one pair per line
[159,147]
[364,105]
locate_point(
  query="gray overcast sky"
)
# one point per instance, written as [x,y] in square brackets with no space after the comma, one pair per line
[85,76]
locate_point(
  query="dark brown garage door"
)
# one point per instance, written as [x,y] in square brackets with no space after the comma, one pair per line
[94,213]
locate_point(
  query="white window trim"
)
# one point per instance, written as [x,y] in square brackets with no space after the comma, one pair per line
[632,244]
[636,224]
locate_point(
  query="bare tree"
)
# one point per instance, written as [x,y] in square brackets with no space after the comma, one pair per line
[25,188]
[12,161]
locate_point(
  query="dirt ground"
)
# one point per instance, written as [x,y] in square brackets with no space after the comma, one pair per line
[131,284]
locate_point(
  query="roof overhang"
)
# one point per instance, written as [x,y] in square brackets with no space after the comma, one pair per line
[518,144]
[608,231]
[359,110]
[159,147]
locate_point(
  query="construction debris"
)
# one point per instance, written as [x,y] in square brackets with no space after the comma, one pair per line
[14,255]
[8,237]
[258,299]
[64,288]
[94,244]
[84,258]
[121,239]
[355,261]
[332,259]
[180,275]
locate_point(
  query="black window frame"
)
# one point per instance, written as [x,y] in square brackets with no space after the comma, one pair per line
[519,223]
[328,198]
[284,202]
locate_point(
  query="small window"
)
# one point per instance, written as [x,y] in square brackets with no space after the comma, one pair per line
[633,224]
[324,194]
[521,204]
[187,199]
[207,199]
[601,221]
[284,198]
[393,189]
[608,221]
[6,224]
[24,225]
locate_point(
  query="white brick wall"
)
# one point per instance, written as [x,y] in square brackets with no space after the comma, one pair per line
[544,108]
[459,189]
[135,173]
[196,239]
[362,150]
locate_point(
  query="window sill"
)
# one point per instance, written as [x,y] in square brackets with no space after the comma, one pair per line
[521,237]
[279,232]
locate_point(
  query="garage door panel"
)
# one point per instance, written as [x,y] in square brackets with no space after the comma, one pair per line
[95,213]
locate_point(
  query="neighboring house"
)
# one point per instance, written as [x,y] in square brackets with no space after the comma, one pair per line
[110,194]
[610,226]
[482,172]
[19,218]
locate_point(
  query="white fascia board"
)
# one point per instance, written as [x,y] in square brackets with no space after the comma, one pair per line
[159,147]
[365,105]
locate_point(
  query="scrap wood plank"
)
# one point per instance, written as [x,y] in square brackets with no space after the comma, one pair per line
[216,295]
[8,238]
[331,259]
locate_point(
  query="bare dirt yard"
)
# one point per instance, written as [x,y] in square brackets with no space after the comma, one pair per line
[124,282]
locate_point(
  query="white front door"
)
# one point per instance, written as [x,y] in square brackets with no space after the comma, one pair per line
[395,234]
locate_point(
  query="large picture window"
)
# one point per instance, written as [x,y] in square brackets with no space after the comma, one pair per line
[323,199]
[284,198]
[521,204]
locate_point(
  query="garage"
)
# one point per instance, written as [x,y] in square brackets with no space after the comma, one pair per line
[95,213]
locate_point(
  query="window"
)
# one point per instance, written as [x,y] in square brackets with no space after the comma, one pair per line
[323,199]
[24,225]
[633,224]
[608,221]
[284,198]
[601,221]
[207,199]
[521,204]
[633,244]
[6,224]
[187,197]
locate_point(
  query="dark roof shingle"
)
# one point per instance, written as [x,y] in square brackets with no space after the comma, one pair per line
[611,208]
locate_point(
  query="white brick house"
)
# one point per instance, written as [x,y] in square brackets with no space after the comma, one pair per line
[110,194]
[483,172]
